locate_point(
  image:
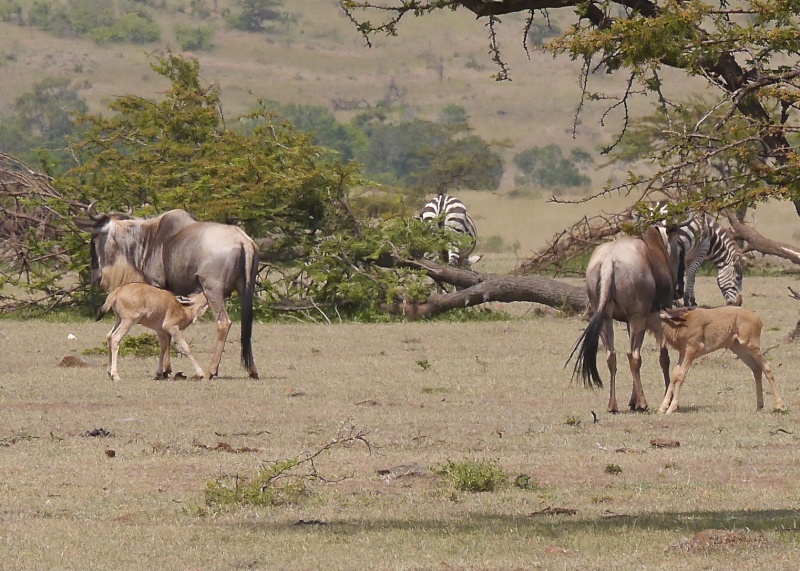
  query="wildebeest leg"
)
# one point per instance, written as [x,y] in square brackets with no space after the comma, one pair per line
[163,356]
[217,305]
[670,402]
[607,336]
[636,332]
[752,357]
[184,347]
[115,337]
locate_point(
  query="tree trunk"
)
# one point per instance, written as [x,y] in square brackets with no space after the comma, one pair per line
[498,288]
[755,242]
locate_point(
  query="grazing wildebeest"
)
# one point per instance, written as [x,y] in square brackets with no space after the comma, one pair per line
[627,280]
[158,309]
[173,251]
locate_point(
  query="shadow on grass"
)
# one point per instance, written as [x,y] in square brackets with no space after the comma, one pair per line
[565,525]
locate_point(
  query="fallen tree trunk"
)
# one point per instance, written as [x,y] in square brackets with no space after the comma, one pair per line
[498,288]
[756,242]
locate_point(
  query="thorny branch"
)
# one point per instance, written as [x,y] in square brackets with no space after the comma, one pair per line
[347,436]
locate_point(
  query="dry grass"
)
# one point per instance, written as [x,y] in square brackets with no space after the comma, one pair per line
[493,391]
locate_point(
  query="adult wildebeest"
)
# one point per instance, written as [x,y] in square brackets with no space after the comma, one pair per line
[175,252]
[627,280]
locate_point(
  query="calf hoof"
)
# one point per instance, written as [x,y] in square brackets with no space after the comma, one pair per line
[161,376]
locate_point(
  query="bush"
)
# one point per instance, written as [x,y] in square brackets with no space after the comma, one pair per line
[199,38]
[548,167]
[472,475]
[134,28]
[10,11]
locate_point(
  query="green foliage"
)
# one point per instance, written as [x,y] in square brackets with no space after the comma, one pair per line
[277,485]
[613,469]
[11,11]
[548,167]
[177,152]
[252,15]
[472,475]
[200,38]
[424,364]
[144,345]
[525,482]
[573,421]
[134,28]
[325,130]
[41,120]
[441,154]
[96,19]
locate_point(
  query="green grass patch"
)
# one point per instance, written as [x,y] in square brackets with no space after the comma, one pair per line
[472,475]
[144,345]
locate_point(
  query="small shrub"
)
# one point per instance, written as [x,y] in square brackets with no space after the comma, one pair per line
[274,486]
[524,482]
[613,469]
[144,345]
[573,421]
[424,364]
[190,38]
[472,475]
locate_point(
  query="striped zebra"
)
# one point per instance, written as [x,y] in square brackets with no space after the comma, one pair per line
[704,239]
[449,212]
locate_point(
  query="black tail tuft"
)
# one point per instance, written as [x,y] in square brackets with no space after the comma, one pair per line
[586,348]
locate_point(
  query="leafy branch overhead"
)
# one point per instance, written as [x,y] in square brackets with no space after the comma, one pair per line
[745,53]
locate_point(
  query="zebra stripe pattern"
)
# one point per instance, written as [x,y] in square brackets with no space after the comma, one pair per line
[449,212]
[703,238]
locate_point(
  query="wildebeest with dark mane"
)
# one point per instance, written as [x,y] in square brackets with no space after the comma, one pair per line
[175,252]
[627,280]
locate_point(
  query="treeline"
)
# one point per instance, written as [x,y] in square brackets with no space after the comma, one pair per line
[428,155]
[132,21]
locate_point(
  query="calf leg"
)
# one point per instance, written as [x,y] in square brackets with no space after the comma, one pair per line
[164,368]
[670,402]
[184,347]
[115,338]
[753,358]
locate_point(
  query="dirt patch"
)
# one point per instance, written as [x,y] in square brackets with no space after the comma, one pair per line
[721,538]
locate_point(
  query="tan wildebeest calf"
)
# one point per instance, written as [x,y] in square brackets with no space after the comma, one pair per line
[159,310]
[699,331]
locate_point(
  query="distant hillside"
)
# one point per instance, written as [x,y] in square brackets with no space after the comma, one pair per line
[316,56]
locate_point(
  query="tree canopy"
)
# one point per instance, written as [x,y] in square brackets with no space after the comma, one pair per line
[745,51]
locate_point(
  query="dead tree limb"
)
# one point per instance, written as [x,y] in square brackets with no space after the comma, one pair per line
[756,242]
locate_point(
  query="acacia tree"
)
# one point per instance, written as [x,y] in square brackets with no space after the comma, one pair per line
[745,51]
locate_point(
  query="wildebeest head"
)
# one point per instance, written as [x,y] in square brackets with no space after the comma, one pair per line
[110,265]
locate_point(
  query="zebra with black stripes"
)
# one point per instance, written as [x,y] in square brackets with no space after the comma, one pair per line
[449,212]
[704,239]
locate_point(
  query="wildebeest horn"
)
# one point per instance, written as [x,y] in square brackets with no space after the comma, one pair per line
[90,211]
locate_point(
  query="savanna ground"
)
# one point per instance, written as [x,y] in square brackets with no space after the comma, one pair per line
[425,394]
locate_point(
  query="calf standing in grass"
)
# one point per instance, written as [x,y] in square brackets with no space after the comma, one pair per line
[698,331]
[158,310]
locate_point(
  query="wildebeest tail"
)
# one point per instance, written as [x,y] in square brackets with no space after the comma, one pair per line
[250,261]
[586,347]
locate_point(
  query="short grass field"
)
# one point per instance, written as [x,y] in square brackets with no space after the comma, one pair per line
[579,494]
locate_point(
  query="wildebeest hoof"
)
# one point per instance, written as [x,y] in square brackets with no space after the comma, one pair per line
[179,376]
[161,377]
